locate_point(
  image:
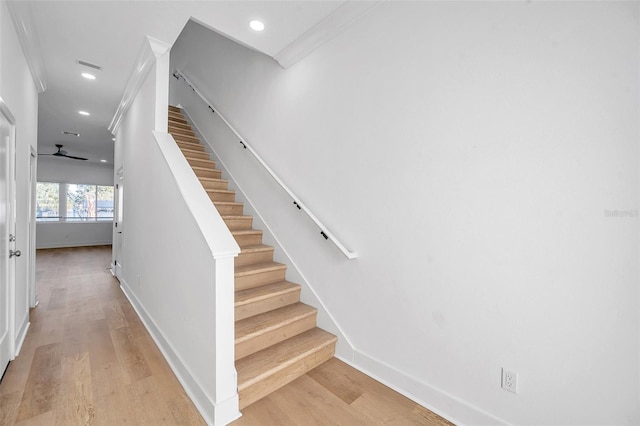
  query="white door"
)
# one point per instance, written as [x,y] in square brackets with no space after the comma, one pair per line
[7,234]
[118,225]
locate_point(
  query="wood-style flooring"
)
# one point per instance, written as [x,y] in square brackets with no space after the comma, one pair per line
[88,360]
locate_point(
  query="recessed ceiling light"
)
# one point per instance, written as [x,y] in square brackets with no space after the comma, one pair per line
[88,76]
[103,161]
[83,113]
[256,25]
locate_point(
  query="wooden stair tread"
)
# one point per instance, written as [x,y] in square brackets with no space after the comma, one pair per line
[242,231]
[178,122]
[177,117]
[218,191]
[260,365]
[236,217]
[191,151]
[194,145]
[175,127]
[202,168]
[207,179]
[242,297]
[185,138]
[257,268]
[256,325]
[256,248]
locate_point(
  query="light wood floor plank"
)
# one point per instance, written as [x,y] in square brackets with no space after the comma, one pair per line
[88,360]
[84,360]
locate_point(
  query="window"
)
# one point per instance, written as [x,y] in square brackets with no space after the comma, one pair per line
[76,202]
[104,203]
[47,201]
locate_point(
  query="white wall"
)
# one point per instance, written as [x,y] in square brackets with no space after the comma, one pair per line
[18,91]
[51,169]
[473,154]
[179,280]
[62,234]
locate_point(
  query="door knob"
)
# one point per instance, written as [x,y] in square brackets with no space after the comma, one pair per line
[15,253]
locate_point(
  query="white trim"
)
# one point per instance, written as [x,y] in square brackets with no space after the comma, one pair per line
[75,244]
[150,51]
[214,230]
[189,381]
[421,392]
[325,30]
[4,110]
[296,199]
[29,42]
[31,268]
[214,414]
[22,335]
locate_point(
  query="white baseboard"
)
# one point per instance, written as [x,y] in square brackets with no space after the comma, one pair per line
[74,244]
[445,405]
[22,335]
[219,414]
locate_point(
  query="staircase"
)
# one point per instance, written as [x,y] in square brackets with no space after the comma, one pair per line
[276,338]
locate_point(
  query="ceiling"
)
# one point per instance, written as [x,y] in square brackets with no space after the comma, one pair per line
[111,33]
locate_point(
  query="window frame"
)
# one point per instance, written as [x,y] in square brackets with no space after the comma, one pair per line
[63,188]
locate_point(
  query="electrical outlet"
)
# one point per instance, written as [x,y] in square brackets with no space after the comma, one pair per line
[509,380]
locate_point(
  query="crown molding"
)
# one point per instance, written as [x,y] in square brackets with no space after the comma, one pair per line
[150,51]
[324,31]
[21,16]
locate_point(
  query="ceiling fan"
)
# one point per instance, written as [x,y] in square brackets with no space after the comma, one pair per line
[62,153]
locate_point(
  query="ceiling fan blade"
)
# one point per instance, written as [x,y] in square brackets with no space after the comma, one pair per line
[74,158]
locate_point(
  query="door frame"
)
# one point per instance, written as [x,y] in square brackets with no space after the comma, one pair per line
[31,272]
[7,244]
[118,225]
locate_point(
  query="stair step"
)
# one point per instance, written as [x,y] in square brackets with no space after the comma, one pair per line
[211,183]
[178,123]
[258,300]
[248,237]
[205,172]
[191,153]
[221,194]
[249,276]
[235,222]
[265,371]
[174,109]
[228,208]
[254,254]
[180,137]
[177,117]
[201,162]
[192,146]
[261,331]
[181,131]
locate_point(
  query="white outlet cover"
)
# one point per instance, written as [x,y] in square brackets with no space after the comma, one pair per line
[509,380]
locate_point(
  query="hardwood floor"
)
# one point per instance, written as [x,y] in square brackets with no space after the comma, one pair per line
[336,394]
[88,360]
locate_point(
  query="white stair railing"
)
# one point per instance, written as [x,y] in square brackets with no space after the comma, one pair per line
[296,201]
